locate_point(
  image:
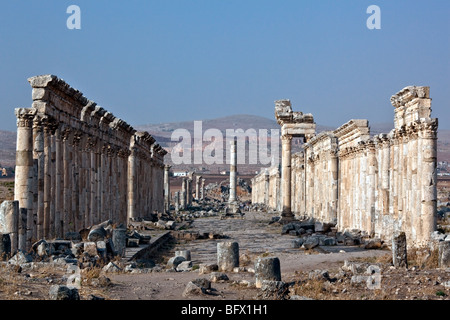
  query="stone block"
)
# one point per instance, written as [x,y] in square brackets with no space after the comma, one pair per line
[227,255]
[267,268]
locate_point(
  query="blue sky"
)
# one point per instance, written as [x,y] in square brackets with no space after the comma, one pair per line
[165,61]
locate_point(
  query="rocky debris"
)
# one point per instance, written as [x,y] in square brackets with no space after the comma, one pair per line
[99,231]
[297,297]
[60,292]
[321,275]
[273,290]
[444,254]
[20,258]
[186,254]
[207,268]
[5,245]
[184,266]
[197,287]
[373,244]
[111,267]
[175,261]
[218,277]
[311,242]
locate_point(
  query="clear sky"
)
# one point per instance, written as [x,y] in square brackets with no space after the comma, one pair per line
[172,60]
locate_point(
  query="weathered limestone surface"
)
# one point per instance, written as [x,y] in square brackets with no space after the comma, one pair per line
[267,268]
[379,184]
[78,165]
[227,255]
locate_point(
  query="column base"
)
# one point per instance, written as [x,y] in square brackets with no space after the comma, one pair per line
[286,217]
[232,210]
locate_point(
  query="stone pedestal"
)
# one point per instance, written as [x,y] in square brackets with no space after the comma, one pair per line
[267,269]
[9,222]
[119,239]
[227,255]
[399,253]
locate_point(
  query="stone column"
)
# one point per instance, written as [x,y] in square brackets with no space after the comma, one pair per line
[24,173]
[227,255]
[202,192]
[286,213]
[399,253]
[183,194]
[9,222]
[233,172]
[58,185]
[266,187]
[166,188]
[428,135]
[131,184]
[233,205]
[188,192]
[38,135]
[197,187]
[267,269]
[176,201]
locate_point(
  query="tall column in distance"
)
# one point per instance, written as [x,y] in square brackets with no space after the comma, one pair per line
[202,192]
[166,188]
[233,206]
[197,187]
[183,194]
[286,213]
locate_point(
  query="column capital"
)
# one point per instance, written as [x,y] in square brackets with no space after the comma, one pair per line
[25,117]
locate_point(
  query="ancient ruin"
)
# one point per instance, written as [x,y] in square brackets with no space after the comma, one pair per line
[378,184]
[78,165]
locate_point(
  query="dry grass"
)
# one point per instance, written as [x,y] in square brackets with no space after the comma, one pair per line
[424,257]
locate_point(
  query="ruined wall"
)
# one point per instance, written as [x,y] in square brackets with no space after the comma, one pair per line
[377,184]
[78,165]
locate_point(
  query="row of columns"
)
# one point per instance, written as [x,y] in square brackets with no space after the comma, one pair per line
[78,165]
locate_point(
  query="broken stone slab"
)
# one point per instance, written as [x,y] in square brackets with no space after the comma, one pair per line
[5,245]
[373,244]
[327,241]
[311,242]
[175,261]
[20,258]
[111,267]
[227,255]
[101,249]
[274,290]
[297,243]
[183,253]
[61,292]
[132,242]
[119,241]
[73,236]
[218,277]
[77,249]
[98,232]
[399,252]
[207,268]
[197,286]
[444,254]
[184,266]
[90,248]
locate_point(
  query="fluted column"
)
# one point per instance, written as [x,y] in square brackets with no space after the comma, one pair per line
[24,174]
[166,188]
[428,135]
[131,184]
[286,213]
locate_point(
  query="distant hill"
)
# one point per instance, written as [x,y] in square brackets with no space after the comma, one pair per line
[163,131]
